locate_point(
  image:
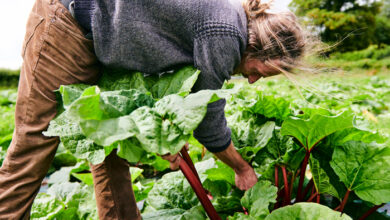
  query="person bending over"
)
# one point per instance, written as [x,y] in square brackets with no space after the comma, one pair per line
[69,42]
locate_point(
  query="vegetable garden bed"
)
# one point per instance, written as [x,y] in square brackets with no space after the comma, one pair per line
[315,159]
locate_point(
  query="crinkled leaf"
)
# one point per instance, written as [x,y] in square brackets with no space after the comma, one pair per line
[96,105]
[63,175]
[74,140]
[187,112]
[365,169]
[130,150]
[321,179]
[70,93]
[162,129]
[46,206]
[195,213]
[281,151]
[310,132]
[141,190]
[258,198]
[180,83]
[84,148]
[84,177]
[248,132]
[354,134]
[241,216]
[135,173]
[302,210]
[222,173]
[117,79]
[227,204]
[271,107]
[172,191]
[75,195]
[63,157]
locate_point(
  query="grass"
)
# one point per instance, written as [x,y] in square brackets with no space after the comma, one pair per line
[9,78]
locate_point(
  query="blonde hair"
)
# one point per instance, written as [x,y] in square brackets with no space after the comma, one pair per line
[273,35]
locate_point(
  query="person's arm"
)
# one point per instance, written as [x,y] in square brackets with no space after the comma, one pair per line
[245,175]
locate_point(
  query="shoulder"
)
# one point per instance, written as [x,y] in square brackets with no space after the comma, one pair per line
[221,17]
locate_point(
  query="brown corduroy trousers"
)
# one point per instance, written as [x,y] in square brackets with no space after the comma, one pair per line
[55,52]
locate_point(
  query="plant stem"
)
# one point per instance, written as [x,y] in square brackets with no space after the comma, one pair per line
[302,176]
[318,198]
[308,187]
[344,201]
[286,193]
[276,176]
[370,211]
[312,197]
[291,185]
[277,186]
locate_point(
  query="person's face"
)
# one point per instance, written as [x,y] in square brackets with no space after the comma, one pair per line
[253,69]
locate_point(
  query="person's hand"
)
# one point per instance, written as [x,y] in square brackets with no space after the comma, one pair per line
[245,178]
[174,160]
[245,175]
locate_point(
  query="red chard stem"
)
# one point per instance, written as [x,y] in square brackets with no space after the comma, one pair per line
[302,176]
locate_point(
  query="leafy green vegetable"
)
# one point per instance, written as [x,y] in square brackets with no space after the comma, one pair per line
[364,168]
[321,179]
[195,213]
[46,207]
[258,198]
[312,211]
[179,83]
[84,177]
[271,107]
[310,132]
[281,151]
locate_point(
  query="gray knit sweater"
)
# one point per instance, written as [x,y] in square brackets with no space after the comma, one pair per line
[152,36]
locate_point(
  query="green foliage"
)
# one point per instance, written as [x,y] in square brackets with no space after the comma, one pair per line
[9,78]
[258,198]
[310,132]
[382,29]
[95,122]
[311,211]
[65,201]
[346,156]
[364,169]
[336,20]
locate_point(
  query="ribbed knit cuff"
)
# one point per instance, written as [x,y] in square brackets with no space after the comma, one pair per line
[219,149]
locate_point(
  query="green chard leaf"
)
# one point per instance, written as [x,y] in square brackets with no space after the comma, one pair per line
[195,213]
[365,169]
[321,179]
[258,198]
[119,79]
[163,129]
[271,107]
[179,83]
[281,151]
[302,210]
[96,105]
[310,132]
[46,206]
[70,93]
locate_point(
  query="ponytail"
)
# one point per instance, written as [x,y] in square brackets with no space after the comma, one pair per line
[255,8]
[273,35]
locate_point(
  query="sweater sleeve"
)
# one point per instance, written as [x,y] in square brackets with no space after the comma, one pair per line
[216,57]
